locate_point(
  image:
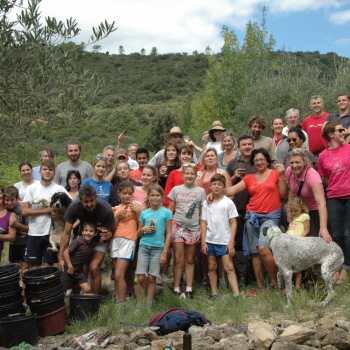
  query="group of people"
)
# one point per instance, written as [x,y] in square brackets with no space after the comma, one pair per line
[145,212]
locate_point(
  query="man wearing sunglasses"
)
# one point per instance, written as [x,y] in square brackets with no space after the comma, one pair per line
[73,163]
[312,125]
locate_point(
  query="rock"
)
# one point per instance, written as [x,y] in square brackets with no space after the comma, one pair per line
[149,334]
[338,338]
[283,344]
[130,346]
[261,335]
[298,334]
[143,342]
[214,333]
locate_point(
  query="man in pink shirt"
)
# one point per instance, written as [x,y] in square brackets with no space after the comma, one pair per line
[312,125]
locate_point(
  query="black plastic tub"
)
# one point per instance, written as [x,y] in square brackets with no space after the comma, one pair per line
[44,293]
[10,269]
[10,285]
[42,278]
[11,297]
[82,306]
[45,306]
[17,329]
[12,308]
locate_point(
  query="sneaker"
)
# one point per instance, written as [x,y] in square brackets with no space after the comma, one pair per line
[178,294]
[159,281]
[213,297]
[189,295]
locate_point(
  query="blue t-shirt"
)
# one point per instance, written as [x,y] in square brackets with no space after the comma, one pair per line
[103,188]
[159,218]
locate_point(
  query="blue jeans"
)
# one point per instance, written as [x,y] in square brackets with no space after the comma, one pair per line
[339,225]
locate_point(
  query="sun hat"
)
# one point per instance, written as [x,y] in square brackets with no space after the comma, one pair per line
[173,131]
[217,125]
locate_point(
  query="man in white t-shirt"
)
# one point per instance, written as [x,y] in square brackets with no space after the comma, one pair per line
[39,214]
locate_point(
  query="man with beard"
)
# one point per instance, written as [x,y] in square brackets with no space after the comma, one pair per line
[312,125]
[38,212]
[343,115]
[74,163]
[237,169]
[89,208]
[257,124]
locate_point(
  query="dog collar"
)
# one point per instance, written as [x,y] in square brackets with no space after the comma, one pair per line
[276,234]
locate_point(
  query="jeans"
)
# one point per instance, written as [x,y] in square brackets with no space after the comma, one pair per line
[339,225]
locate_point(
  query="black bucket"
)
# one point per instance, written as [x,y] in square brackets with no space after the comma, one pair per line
[42,278]
[17,329]
[45,306]
[13,308]
[9,269]
[45,293]
[82,306]
[11,284]
[11,297]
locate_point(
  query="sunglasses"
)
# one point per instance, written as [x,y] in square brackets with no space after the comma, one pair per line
[289,140]
[295,151]
[340,130]
[189,164]
[101,158]
[227,133]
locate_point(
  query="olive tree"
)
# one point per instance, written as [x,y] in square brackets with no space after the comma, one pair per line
[41,81]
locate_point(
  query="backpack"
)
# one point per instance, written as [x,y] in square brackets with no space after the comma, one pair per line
[177,319]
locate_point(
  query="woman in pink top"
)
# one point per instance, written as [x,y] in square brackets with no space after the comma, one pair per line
[334,167]
[149,177]
[306,183]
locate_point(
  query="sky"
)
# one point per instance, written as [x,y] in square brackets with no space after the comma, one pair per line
[193,25]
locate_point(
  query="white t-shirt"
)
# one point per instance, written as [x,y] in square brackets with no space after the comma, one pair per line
[133,164]
[39,225]
[22,189]
[216,145]
[218,215]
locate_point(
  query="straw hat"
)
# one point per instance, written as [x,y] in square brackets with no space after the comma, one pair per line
[173,131]
[215,126]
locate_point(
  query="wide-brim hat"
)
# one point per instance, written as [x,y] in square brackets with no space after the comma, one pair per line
[173,131]
[217,125]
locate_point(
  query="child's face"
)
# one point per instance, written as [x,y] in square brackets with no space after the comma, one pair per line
[295,211]
[155,199]
[217,187]
[10,202]
[88,233]
[125,195]
[189,175]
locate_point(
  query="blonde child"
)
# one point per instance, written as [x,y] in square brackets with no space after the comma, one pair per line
[76,256]
[188,199]
[125,238]
[299,225]
[155,232]
[218,231]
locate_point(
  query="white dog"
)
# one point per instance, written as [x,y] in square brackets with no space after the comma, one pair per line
[295,254]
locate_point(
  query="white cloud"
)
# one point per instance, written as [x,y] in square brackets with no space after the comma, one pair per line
[342,42]
[340,17]
[171,26]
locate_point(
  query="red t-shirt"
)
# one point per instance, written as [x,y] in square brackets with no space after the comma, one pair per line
[313,127]
[136,175]
[174,179]
[264,197]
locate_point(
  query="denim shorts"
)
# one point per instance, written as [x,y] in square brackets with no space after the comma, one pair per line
[148,260]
